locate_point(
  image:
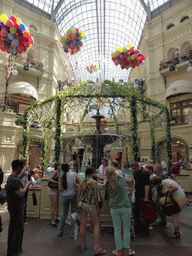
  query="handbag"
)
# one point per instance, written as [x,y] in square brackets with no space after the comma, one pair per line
[52,185]
[75,185]
[170,208]
[149,211]
[34,198]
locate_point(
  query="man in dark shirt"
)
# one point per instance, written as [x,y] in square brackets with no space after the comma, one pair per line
[16,204]
[142,192]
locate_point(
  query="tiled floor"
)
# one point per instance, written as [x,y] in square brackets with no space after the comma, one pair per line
[41,239]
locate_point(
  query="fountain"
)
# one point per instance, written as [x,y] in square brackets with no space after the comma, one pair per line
[98,140]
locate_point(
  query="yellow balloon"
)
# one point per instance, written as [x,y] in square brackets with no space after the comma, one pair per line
[120,49]
[129,46]
[3,17]
[30,45]
[18,21]
[66,36]
[82,33]
[133,56]
[74,31]
[81,47]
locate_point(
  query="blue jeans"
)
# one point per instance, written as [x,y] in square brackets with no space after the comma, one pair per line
[121,215]
[66,202]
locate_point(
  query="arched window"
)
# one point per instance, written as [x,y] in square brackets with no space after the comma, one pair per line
[171,53]
[184,19]
[170,26]
[31,27]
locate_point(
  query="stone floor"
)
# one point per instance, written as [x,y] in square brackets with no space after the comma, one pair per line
[41,239]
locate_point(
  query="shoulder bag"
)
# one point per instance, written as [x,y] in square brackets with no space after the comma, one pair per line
[52,184]
[170,208]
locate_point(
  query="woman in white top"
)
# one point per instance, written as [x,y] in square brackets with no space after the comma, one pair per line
[66,185]
[171,187]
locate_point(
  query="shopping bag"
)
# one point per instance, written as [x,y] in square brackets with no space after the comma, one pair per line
[149,211]
[75,216]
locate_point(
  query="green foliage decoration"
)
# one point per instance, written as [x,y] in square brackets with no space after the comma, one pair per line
[134,128]
[114,90]
[57,156]
[152,132]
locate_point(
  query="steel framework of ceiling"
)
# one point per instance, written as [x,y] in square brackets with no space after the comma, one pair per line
[108,24]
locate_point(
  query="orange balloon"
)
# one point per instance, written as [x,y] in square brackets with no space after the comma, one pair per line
[26,34]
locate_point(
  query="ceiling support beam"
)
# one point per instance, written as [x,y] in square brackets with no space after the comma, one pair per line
[54,12]
[146,8]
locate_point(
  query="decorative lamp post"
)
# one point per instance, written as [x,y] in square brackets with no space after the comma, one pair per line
[10,70]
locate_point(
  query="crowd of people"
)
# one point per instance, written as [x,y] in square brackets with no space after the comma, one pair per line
[126,198]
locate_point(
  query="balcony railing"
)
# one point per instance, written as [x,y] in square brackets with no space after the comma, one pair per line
[179,120]
[31,62]
[167,63]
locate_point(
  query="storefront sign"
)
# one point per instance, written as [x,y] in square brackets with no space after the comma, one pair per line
[20,99]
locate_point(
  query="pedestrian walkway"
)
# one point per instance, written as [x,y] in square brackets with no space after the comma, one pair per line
[40,239]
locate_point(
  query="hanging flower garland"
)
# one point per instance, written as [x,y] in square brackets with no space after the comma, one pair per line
[14,36]
[72,40]
[92,68]
[127,57]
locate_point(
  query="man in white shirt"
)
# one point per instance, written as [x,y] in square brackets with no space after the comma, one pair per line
[102,167]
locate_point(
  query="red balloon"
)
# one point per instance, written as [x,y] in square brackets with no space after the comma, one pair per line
[31,40]
[131,50]
[13,18]
[26,43]
[4,33]
[16,25]
[9,23]
[142,57]
[140,60]
[136,51]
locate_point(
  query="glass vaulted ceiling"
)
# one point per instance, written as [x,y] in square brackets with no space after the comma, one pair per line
[107,24]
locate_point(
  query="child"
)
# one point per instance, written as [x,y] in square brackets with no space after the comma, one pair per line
[131,193]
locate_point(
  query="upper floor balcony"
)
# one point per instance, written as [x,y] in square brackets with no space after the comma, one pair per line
[30,65]
[175,62]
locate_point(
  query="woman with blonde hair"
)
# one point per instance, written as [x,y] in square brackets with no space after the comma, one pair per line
[120,208]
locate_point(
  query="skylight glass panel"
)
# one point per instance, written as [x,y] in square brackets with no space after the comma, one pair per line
[155,3]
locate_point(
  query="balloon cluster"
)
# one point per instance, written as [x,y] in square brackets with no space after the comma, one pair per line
[92,68]
[72,40]
[127,57]
[14,36]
